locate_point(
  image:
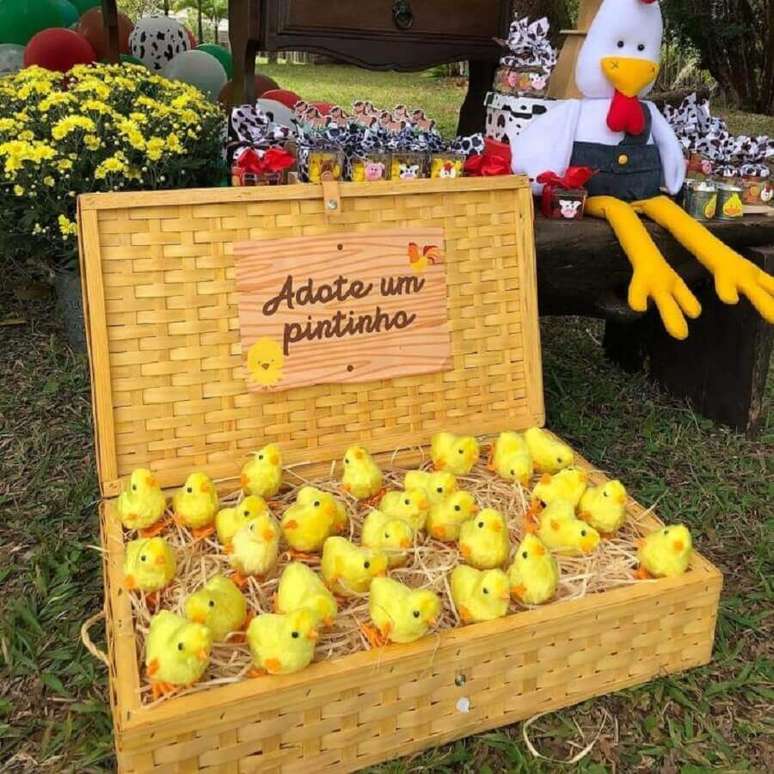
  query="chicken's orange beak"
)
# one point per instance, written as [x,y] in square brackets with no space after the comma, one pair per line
[678,546]
[160,560]
[274,458]
[423,504]
[621,498]
[267,535]
[432,621]
[313,635]
[405,543]
[629,75]
[381,572]
[495,526]
[540,551]
[151,481]
[130,582]
[505,594]
[439,464]
[205,488]
[202,655]
[330,510]
[474,508]
[243,481]
[588,545]
[199,617]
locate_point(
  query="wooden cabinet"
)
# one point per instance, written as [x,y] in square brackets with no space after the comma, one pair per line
[380,35]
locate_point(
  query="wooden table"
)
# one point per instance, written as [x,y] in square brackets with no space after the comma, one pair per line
[721,367]
[377,35]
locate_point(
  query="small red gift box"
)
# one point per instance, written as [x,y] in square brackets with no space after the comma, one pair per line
[495,160]
[564,197]
[255,167]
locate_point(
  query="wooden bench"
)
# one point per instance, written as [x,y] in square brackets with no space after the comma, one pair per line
[721,368]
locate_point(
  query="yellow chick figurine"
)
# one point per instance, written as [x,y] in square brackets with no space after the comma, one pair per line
[299,587]
[445,518]
[568,484]
[437,485]
[604,507]
[195,505]
[549,455]
[314,517]
[362,477]
[219,605]
[484,540]
[511,458]
[282,644]
[410,505]
[177,652]
[400,613]
[389,534]
[665,553]
[534,572]
[262,475]
[254,548]
[479,595]
[149,564]
[142,505]
[349,569]
[230,520]
[455,453]
[562,532]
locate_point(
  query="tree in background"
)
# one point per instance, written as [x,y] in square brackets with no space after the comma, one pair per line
[136,9]
[214,11]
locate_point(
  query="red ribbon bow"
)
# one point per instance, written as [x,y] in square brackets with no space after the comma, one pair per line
[495,160]
[573,177]
[274,160]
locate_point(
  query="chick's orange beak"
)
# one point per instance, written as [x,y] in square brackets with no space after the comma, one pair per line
[588,545]
[274,458]
[621,499]
[205,488]
[405,543]
[629,75]
[160,561]
[474,509]
[495,526]
[199,617]
[423,505]
[267,535]
[313,635]
[130,582]
[505,594]
[202,655]
[678,546]
[151,481]
[539,550]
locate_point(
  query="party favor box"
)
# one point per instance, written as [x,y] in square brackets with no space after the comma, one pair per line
[183,290]
[508,115]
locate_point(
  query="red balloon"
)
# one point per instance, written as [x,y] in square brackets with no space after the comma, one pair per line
[58,49]
[92,26]
[284,96]
[191,37]
[323,107]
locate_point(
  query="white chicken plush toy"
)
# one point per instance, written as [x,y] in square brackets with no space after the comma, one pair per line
[635,154]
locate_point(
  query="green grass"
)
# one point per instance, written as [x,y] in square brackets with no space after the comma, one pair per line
[53,694]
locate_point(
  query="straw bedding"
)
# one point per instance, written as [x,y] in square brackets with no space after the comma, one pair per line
[429,565]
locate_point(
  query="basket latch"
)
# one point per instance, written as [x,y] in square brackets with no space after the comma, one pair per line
[331,194]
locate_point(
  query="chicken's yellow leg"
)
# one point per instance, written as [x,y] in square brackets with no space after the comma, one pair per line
[733,274]
[653,277]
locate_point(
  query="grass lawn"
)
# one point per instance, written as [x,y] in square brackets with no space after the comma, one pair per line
[53,696]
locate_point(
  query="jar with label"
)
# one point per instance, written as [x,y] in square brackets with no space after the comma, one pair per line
[370,167]
[445,165]
[521,80]
[729,202]
[408,165]
[700,199]
[324,162]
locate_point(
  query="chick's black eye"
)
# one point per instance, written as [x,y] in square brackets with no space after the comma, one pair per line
[366,565]
[459,451]
[486,591]
[316,503]
[134,487]
[513,472]
[620,44]
[605,494]
[524,554]
[559,460]
[211,603]
[346,461]
[416,613]
[247,513]
[143,558]
[189,489]
[260,456]
[439,490]
[407,502]
[386,535]
[641,47]
[180,646]
[294,635]
[480,524]
[457,508]
[583,533]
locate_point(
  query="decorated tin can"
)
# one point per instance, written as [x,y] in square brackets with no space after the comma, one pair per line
[729,202]
[370,168]
[700,199]
[522,80]
[767,194]
[447,165]
[408,165]
[322,161]
[754,190]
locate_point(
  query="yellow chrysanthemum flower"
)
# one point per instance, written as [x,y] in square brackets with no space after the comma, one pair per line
[110,166]
[155,148]
[64,165]
[92,142]
[69,124]
[67,227]
[18,190]
[174,145]
[95,106]
[49,181]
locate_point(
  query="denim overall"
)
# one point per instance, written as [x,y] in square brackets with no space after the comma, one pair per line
[629,171]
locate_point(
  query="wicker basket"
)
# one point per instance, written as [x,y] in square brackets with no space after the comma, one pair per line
[169,392]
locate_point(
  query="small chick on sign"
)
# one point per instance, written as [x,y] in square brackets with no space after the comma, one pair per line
[282,644]
[400,613]
[665,553]
[484,540]
[195,505]
[479,595]
[219,605]
[312,519]
[349,569]
[300,587]
[177,652]
[437,485]
[455,453]
[549,454]
[362,477]
[262,475]
[142,505]
[534,572]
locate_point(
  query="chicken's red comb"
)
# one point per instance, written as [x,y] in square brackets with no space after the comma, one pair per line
[648,1]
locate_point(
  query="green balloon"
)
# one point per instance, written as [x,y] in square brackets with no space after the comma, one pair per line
[83,5]
[68,12]
[21,19]
[223,55]
[129,59]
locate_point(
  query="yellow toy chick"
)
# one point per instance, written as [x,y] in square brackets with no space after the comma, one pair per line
[362,477]
[479,595]
[400,613]
[142,506]
[254,548]
[562,532]
[282,644]
[455,453]
[484,540]
[445,518]
[301,587]
[665,553]
[389,534]
[195,505]
[511,458]
[604,507]
[177,652]
[262,475]
[534,572]
[219,605]
[437,485]
[349,569]
[265,361]
[568,484]
[314,517]
[410,505]
[549,454]
[149,564]
[230,520]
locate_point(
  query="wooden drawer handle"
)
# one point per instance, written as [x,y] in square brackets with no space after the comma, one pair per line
[402,14]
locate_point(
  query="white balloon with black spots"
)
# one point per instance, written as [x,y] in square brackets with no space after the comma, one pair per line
[157,40]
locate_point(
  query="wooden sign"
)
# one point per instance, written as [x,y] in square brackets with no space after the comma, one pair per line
[349,307]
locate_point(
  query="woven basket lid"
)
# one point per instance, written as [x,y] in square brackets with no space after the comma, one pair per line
[169,385]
